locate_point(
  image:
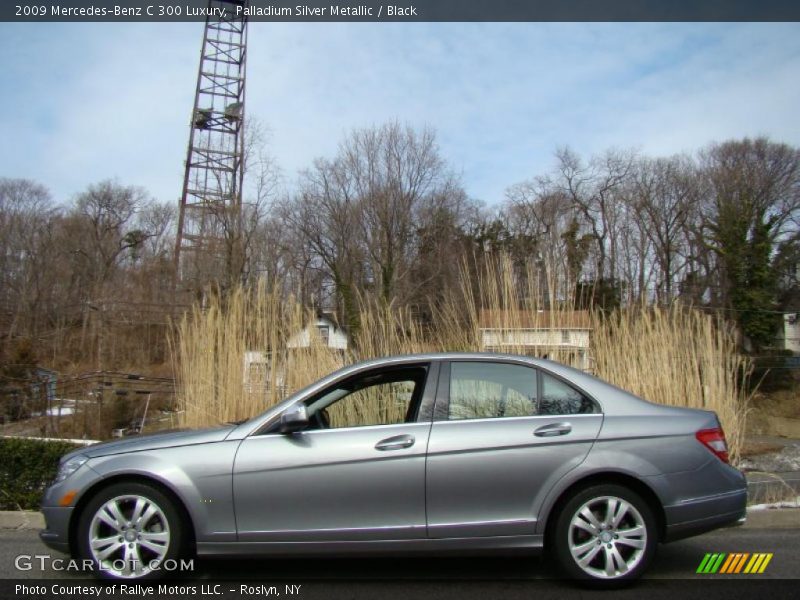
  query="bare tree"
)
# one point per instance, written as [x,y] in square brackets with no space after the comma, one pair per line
[545,222]
[27,265]
[397,175]
[326,215]
[101,232]
[666,194]
[368,214]
[594,189]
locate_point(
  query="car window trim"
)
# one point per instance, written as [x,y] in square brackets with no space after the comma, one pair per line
[425,406]
[351,428]
[529,417]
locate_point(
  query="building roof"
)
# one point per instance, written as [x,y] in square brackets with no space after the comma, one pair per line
[543,319]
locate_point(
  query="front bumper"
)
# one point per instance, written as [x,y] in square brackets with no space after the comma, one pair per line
[57,517]
[55,534]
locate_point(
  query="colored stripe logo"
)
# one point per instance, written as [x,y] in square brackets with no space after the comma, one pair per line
[734,563]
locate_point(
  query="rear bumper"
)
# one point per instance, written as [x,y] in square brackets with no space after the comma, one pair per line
[739,523]
[700,515]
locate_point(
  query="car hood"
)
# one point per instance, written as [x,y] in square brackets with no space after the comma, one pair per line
[154,441]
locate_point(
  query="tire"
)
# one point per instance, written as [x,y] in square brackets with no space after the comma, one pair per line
[602,549]
[128,530]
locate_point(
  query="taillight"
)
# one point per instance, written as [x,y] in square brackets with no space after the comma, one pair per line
[714,440]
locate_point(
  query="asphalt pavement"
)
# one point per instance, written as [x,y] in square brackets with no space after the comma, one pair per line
[453,577]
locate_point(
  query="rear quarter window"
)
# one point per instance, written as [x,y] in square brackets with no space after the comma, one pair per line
[560,398]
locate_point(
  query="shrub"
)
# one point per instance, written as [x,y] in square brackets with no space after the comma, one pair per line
[27,467]
[773,371]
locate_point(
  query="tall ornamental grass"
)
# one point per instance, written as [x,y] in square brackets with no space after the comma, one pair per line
[675,355]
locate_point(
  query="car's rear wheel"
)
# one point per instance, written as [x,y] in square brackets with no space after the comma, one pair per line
[605,534]
[129,530]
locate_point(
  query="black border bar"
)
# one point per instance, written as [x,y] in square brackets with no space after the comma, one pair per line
[409,10]
[407,589]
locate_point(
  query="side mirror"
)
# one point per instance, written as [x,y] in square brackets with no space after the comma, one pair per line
[295,419]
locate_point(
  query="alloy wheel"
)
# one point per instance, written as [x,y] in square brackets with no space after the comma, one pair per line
[607,537]
[129,536]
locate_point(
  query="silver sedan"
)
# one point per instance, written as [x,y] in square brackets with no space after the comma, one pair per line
[433,453]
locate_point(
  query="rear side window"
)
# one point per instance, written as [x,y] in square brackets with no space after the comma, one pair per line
[559,398]
[484,390]
[491,390]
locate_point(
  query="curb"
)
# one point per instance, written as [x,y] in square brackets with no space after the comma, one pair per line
[778,518]
[21,519]
[773,518]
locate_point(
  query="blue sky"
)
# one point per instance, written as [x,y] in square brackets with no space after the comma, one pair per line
[83,102]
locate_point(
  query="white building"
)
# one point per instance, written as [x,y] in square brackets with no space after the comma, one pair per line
[258,364]
[330,334]
[257,374]
[557,335]
[789,335]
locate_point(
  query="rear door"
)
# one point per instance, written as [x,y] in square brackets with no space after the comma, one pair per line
[502,434]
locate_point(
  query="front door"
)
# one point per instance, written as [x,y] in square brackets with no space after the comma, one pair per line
[358,473]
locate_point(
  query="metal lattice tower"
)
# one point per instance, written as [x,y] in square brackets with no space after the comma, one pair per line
[208,246]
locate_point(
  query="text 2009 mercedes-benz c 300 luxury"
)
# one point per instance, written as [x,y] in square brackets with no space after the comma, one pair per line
[428,453]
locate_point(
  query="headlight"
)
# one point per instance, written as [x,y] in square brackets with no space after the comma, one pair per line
[68,467]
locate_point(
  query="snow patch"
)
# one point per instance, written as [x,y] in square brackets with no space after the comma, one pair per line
[784,504]
[788,459]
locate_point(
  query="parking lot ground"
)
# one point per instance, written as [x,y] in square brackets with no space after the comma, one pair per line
[676,560]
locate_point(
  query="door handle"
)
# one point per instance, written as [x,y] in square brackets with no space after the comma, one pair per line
[397,442]
[553,429]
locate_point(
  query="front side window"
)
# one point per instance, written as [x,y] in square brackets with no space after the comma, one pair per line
[480,390]
[378,398]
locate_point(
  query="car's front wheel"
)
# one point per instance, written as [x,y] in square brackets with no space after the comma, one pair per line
[605,534]
[129,530]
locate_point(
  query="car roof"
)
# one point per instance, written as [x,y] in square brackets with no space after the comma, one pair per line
[612,399]
[561,369]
